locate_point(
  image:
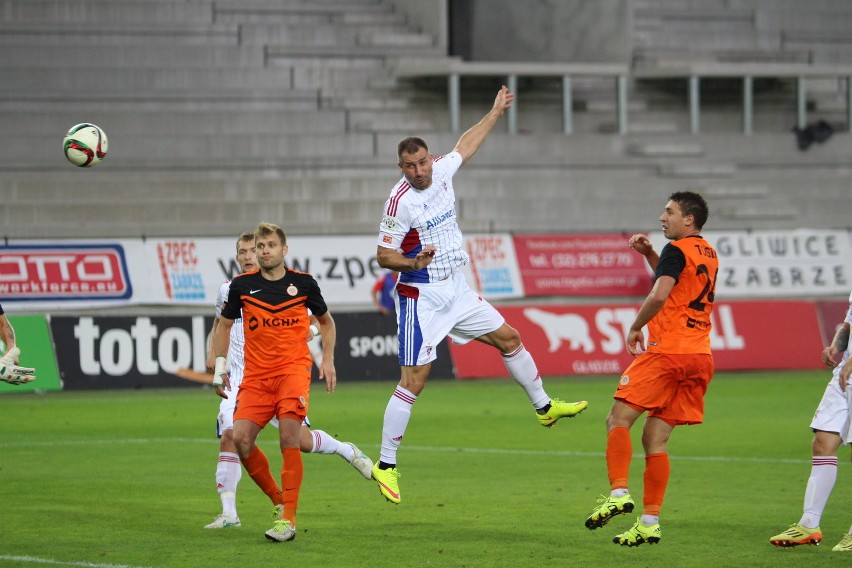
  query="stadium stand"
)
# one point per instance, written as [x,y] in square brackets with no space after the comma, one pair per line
[223,113]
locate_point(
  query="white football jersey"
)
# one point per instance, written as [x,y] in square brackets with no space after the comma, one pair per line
[235,349]
[414,218]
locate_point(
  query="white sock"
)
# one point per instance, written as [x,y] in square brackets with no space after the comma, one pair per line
[649,520]
[522,368]
[397,414]
[345,451]
[323,443]
[820,484]
[620,492]
[228,473]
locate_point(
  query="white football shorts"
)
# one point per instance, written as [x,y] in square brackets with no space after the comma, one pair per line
[833,413]
[427,313]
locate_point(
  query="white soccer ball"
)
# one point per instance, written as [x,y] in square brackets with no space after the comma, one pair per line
[85,145]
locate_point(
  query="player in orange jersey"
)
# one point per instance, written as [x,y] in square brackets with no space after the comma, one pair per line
[671,372]
[273,303]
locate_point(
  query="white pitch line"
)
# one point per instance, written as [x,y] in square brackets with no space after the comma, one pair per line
[35,560]
[568,453]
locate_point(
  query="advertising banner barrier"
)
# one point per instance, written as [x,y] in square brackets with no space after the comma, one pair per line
[42,276]
[57,275]
[36,276]
[589,339]
[117,352]
[493,269]
[581,265]
[781,264]
[32,337]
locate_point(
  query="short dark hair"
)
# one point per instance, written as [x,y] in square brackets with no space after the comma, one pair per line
[693,204]
[410,145]
[266,229]
[244,237]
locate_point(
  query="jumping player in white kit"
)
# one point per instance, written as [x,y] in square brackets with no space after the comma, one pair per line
[228,467]
[420,238]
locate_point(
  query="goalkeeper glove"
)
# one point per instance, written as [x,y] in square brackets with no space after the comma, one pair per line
[11,373]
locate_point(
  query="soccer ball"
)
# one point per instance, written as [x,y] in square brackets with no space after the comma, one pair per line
[85,145]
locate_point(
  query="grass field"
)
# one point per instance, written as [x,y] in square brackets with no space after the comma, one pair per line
[107,479]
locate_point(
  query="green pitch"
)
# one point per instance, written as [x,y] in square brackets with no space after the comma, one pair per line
[111,479]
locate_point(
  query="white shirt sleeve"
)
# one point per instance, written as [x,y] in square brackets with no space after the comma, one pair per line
[395,224]
[222,297]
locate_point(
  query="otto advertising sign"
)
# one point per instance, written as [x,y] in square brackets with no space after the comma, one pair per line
[589,339]
[74,272]
[581,265]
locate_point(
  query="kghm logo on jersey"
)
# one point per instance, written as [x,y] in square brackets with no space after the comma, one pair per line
[255,322]
[435,221]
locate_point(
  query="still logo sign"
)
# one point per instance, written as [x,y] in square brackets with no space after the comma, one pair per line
[613,325]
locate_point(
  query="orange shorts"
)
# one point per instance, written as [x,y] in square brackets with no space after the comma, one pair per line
[284,396]
[670,387]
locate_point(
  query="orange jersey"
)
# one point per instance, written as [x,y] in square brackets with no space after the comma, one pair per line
[683,324]
[275,321]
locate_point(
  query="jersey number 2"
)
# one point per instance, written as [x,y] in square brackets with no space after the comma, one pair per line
[709,290]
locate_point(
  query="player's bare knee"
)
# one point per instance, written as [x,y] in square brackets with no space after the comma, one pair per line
[506,339]
[825,443]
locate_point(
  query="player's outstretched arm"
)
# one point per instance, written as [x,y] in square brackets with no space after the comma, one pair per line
[474,136]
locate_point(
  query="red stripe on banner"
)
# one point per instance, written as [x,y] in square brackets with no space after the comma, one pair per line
[589,339]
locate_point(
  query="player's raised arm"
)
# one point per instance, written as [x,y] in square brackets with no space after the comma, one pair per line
[641,244]
[473,138]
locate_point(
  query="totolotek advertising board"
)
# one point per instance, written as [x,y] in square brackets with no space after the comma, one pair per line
[116,352]
[120,352]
